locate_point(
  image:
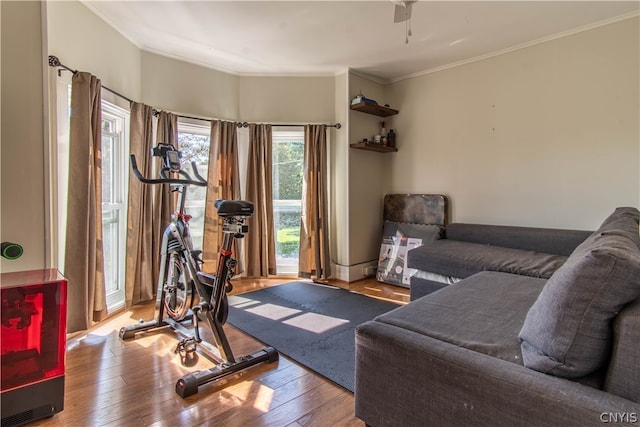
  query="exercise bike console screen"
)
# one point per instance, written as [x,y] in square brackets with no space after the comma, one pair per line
[173,160]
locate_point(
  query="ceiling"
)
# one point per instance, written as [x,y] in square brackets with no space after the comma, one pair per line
[327,37]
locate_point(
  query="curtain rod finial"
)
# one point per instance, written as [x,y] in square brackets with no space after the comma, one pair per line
[54,61]
[338,125]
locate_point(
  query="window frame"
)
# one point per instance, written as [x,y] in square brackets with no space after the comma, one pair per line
[121,119]
[279,135]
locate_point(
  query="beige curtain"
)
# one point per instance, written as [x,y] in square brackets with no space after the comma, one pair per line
[142,260]
[223,183]
[314,258]
[84,261]
[260,241]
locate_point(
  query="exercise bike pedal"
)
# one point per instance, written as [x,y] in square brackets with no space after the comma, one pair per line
[186,346]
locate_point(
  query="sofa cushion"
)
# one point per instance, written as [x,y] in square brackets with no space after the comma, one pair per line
[463,259]
[469,314]
[567,331]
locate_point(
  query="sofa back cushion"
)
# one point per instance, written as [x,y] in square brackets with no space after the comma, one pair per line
[544,240]
[567,331]
[453,258]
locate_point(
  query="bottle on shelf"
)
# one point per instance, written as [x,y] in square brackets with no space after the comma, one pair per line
[391,138]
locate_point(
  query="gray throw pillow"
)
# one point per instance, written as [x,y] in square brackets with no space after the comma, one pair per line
[623,222]
[567,331]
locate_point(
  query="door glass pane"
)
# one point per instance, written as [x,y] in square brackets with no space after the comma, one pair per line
[288,155]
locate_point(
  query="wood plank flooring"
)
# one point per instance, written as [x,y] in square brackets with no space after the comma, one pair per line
[114,383]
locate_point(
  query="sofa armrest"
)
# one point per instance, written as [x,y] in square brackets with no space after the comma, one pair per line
[623,374]
[407,379]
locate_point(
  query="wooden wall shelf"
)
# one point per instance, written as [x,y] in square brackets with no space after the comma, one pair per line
[373,147]
[374,109]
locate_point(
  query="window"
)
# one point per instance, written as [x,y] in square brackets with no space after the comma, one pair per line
[288,158]
[115,140]
[193,142]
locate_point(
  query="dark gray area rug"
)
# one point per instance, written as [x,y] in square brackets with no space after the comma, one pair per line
[310,323]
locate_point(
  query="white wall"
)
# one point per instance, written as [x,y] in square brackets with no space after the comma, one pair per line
[543,136]
[187,88]
[286,99]
[23,211]
[83,41]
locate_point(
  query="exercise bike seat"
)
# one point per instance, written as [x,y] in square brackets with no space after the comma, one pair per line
[233,207]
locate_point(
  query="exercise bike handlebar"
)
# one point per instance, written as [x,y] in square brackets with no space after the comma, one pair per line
[199,181]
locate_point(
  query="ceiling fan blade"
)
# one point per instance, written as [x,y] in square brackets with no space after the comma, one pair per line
[403,11]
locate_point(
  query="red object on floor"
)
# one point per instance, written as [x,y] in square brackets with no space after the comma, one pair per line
[32,344]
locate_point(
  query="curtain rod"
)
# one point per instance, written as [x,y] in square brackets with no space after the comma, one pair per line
[55,62]
[244,124]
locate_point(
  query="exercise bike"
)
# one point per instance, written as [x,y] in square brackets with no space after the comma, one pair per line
[185,293]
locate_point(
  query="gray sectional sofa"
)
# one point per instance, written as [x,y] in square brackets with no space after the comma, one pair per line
[510,326]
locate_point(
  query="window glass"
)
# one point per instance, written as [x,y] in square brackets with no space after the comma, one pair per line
[288,157]
[193,142]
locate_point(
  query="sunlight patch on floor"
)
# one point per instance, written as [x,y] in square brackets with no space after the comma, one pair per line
[314,322]
[242,302]
[251,390]
[264,398]
[107,328]
[273,311]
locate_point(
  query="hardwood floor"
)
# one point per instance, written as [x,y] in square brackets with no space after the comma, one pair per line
[114,383]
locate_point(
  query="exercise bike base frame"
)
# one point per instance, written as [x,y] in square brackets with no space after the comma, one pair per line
[129,332]
[189,384]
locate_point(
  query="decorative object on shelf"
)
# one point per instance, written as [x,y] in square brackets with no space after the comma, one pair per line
[360,98]
[391,138]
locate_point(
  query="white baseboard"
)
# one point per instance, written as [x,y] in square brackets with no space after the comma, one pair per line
[351,273]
